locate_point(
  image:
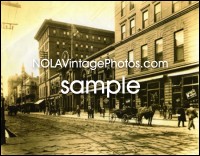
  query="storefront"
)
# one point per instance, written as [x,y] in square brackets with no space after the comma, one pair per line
[185,91]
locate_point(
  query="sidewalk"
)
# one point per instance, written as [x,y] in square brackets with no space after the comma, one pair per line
[157,120]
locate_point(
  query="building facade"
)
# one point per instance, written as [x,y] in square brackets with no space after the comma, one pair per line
[99,100]
[159,31]
[59,40]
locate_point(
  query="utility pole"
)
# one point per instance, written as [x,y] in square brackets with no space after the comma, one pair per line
[8,25]
[44,55]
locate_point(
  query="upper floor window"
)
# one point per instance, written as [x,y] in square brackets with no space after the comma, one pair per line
[159,50]
[176,6]
[87,36]
[131,5]
[130,59]
[123,32]
[99,38]
[122,8]
[64,32]
[145,19]
[179,46]
[132,26]
[91,48]
[144,55]
[157,10]
[54,31]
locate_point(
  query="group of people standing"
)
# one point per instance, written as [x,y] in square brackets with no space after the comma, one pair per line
[181,113]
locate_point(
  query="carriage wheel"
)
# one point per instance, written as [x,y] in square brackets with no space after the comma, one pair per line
[125,118]
[113,117]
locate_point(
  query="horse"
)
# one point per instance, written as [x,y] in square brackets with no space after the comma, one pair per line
[147,112]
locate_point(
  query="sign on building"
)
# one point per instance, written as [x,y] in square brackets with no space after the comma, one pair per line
[191,94]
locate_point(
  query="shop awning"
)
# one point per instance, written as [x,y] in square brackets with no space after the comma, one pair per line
[39,101]
[184,72]
[150,78]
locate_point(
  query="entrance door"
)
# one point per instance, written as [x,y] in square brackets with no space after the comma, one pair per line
[153,97]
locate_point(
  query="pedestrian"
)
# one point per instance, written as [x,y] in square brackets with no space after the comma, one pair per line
[191,113]
[78,111]
[92,112]
[170,113]
[103,112]
[165,111]
[89,112]
[181,117]
[161,112]
[100,111]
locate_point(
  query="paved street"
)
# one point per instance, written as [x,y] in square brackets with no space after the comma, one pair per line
[40,134]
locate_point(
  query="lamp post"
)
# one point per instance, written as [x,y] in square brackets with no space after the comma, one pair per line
[44,55]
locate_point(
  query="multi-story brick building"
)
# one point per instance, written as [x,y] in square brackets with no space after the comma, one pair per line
[78,42]
[159,31]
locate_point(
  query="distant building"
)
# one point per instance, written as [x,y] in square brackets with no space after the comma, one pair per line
[57,39]
[22,89]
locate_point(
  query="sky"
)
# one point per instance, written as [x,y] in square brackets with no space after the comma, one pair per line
[18,46]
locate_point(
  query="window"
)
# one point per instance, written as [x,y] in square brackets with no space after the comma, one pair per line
[64,32]
[157,15]
[130,59]
[122,8]
[159,50]
[76,45]
[91,48]
[81,56]
[86,56]
[57,44]
[144,55]
[86,46]
[179,46]
[86,36]
[54,31]
[123,32]
[76,55]
[99,38]
[67,33]
[93,38]
[132,26]
[131,5]
[145,19]
[176,6]
[63,43]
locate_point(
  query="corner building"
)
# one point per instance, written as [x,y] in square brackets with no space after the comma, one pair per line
[159,31]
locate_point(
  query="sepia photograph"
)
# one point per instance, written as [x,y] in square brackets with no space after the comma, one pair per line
[99,77]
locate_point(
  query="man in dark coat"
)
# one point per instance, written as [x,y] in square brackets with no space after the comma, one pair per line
[181,116]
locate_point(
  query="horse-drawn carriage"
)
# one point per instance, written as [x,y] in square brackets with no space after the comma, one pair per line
[133,113]
[124,114]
